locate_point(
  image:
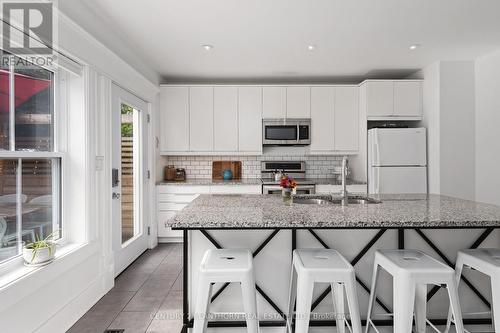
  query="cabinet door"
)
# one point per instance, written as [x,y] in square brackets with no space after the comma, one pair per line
[322,119]
[298,102]
[225,119]
[346,129]
[274,102]
[408,98]
[250,119]
[379,98]
[201,118]
[174,119]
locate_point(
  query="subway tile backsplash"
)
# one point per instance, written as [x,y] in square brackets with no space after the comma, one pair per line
[200,167]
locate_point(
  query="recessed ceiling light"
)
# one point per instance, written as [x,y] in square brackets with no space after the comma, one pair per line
[311,47]
[207,47]
[414,47]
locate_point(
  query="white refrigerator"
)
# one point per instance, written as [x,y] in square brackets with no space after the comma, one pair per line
[397,160]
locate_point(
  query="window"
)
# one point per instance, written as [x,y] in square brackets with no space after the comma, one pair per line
[30,175]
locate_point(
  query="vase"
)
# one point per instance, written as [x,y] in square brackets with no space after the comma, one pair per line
[286,193]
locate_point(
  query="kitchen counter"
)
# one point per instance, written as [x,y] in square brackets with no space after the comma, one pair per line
[395,211]
[439,225]
[255,181]
[208,181]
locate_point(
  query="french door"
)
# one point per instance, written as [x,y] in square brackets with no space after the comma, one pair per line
[129,180]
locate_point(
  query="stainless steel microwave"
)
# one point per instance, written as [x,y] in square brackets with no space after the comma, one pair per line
[286,132]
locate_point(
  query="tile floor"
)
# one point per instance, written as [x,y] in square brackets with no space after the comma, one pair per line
[147,297]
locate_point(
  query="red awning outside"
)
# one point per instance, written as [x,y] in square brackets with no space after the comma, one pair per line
[26,87]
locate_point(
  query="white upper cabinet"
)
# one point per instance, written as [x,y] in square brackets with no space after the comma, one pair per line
[346,122]
[201,119]
[322,119]
[379,98]
[174,119]
[334,119]
[386,99]
[408,98]
[225,119]
[250,119]
[274,102]
[298,102]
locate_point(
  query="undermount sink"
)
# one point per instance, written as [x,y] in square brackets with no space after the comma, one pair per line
[335,201]
[312,201]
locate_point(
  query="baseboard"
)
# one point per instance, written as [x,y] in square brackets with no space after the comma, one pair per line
[74,310]
[170,240]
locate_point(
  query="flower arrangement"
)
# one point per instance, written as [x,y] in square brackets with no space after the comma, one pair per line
[288,182]
[288,186]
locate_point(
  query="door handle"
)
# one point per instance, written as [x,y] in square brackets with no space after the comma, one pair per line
[116,196]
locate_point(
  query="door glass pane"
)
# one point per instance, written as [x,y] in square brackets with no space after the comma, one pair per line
[4,104]
[9,240]
[129,172]
[33,89]
[39,182]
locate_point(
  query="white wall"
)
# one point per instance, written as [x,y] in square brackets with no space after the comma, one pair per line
[488,128]
[52,298]
[449,97]
[457,130]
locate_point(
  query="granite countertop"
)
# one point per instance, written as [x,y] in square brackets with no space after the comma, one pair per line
[209,181]
[269,211]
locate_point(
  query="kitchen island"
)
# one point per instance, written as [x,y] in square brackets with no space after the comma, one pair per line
[438,225]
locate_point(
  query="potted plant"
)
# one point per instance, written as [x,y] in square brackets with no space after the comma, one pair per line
[40,252]
[288,186]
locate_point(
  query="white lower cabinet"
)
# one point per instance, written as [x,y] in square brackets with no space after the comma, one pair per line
[171,199]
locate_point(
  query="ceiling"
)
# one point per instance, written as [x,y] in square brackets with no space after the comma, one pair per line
[267,40]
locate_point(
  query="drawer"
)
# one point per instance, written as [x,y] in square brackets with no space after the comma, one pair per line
[164,206]
[176,198]
[163,230]
[236,189]
[182,189]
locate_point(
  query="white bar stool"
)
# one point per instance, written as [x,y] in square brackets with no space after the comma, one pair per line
[322,266]
[226,265]
[486,261]
[412,271]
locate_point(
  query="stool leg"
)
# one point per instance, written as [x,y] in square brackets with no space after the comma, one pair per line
[352,302]
[495,292]
[421,308]
[458,276]
[455,305]
[338,302]
[291,298]
[304,299]
[202,304]
[373,295]
[250,304]
[404,300]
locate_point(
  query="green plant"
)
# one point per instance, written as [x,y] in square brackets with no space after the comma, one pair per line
[39,244]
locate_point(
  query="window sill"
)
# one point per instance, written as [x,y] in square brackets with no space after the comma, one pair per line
[18,275]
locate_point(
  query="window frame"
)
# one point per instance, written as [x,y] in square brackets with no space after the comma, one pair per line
[59,133]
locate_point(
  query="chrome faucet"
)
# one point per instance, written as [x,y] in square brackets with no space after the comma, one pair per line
[343,193]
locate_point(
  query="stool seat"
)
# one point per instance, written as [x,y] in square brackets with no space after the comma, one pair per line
[226,265]
[225,260]
[484,260]
[414,262]
[322,266]
[412,271]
